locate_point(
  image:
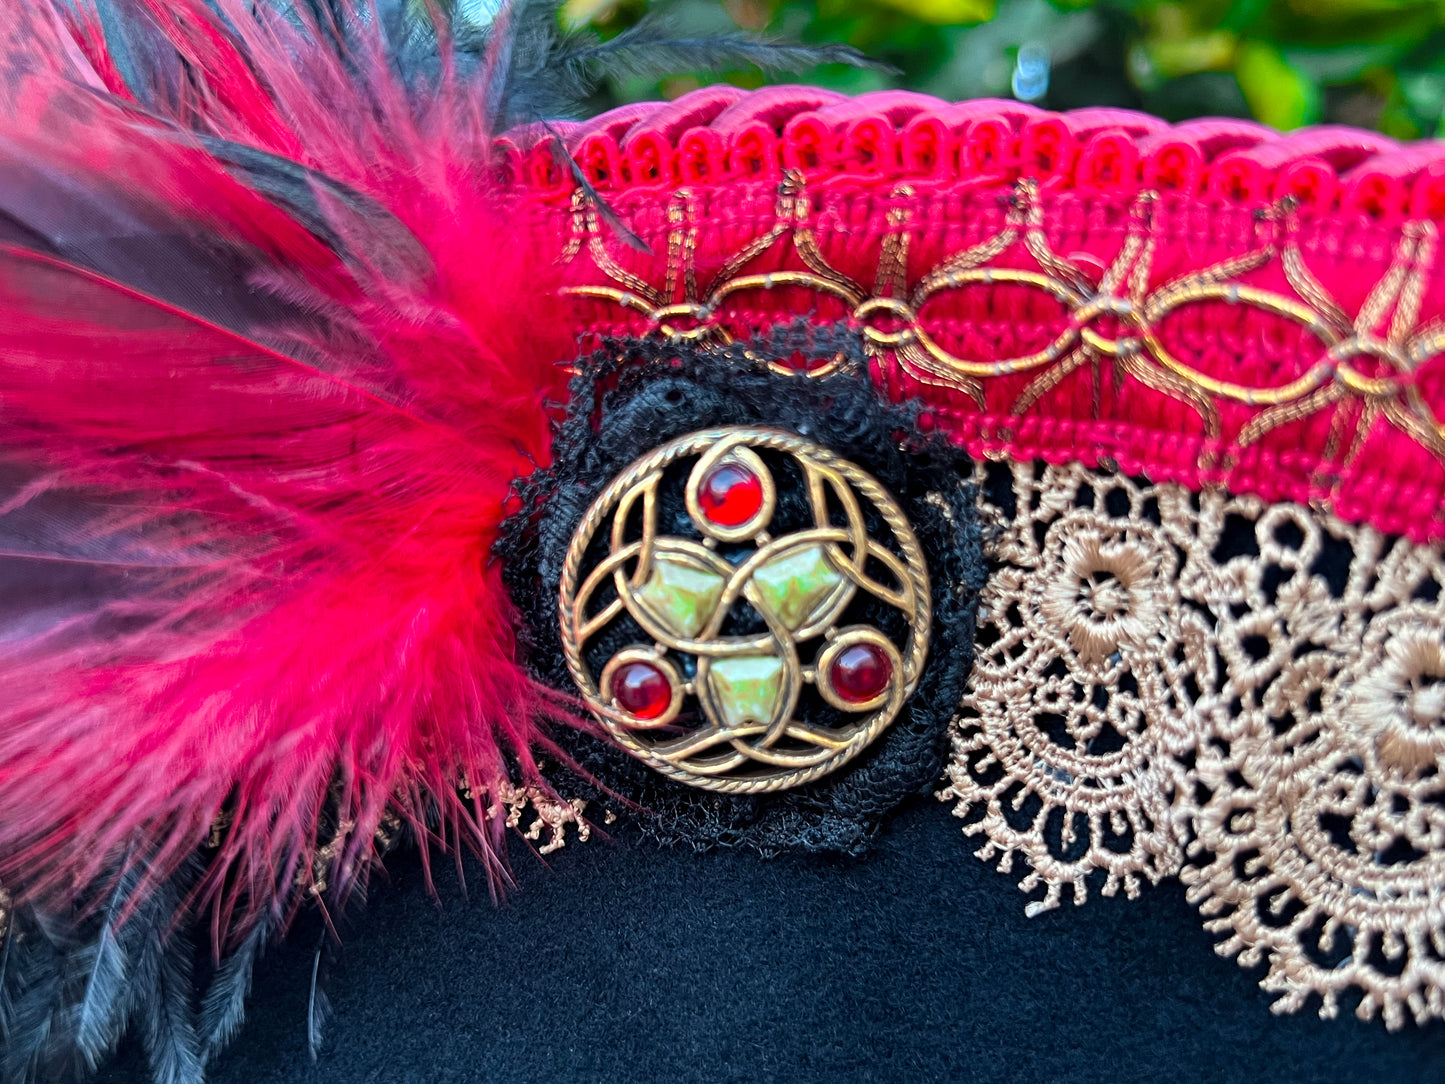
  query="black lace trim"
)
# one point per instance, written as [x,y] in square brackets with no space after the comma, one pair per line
[633,396]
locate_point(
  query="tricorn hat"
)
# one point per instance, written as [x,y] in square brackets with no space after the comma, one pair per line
[735,468]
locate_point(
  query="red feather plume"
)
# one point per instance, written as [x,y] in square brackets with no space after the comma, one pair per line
[271,354]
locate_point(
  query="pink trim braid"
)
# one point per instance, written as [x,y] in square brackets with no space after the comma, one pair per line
[1210,303]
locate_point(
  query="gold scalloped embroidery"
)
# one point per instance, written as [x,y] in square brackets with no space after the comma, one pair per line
[1247,695]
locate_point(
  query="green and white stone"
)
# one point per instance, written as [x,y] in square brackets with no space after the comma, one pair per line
[681,596]
[793,586]
[747,688]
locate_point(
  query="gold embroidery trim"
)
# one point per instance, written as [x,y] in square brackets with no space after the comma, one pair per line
[1364,374]
[1250,696]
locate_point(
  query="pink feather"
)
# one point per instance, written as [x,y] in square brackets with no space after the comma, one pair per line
[312,449]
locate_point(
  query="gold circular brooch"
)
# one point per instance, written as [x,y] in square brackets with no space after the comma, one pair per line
[771,636]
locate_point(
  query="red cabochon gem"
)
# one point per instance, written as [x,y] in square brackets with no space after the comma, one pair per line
[860,672]
[730,495]
[641,689]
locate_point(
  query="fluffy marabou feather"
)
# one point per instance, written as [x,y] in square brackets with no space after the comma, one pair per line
[271,354]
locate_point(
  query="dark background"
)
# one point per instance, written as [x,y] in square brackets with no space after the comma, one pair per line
[620,962]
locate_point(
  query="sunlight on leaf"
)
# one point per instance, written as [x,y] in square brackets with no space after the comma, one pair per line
[1277,92]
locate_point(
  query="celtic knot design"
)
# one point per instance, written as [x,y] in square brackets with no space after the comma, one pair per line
[772,645]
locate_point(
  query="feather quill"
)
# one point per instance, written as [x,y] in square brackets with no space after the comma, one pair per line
[318,1006]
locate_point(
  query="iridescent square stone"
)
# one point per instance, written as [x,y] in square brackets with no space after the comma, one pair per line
[681,596]
[793,586]
[747,688]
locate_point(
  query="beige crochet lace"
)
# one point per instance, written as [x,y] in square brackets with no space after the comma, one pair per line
[1247,695]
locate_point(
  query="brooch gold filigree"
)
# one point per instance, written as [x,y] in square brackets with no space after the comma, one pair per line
[771,647]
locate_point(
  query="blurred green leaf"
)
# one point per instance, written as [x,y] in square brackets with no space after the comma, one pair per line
[947,12]
[1339,9]
[1278,93]
[1243,14]
[1422,94]
[1212,51]
[1344,63]
[1285,62]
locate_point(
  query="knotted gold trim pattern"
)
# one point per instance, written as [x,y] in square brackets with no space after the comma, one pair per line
[1247,695]
[1364,373]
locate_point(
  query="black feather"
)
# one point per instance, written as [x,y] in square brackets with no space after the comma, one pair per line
[540,72]
[331,210]
[96,223]
[164,995]
[223,1009]
[147,64]
[71,984]
[552,74]
[34,1032]
[100,1015]
[318,1005]
[650,50]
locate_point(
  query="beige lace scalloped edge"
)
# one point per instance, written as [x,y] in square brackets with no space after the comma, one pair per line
[1248,696]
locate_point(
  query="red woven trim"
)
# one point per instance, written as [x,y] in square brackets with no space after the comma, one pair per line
[1208,303]
[1387,503]
[721,135]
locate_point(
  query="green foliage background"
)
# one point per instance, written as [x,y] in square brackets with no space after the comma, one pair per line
[1371,63]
